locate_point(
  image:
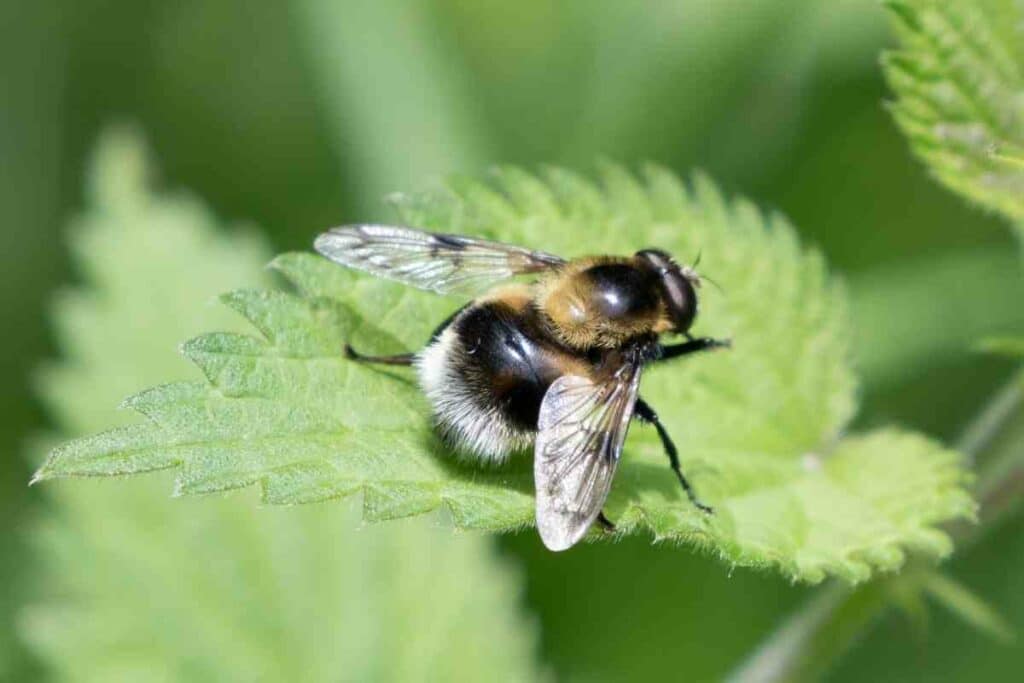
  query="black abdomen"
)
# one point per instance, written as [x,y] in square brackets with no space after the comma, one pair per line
[486,374]
[508,359]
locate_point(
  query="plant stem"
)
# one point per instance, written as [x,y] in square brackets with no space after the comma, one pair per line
[986,426]
[1000,486]
[808,641]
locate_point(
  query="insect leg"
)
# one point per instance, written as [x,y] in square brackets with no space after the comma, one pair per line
[401,358]
[397,359]
[445,323]
[645,413]
[692,346]
[606,524]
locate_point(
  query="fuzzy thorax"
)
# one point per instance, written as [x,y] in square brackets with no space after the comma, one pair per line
[571,302]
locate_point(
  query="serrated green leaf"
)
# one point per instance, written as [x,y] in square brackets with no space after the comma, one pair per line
[959,81]
[760,427]
[221,589]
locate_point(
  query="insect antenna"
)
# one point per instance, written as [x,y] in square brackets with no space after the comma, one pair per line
[717,286]
[693,269]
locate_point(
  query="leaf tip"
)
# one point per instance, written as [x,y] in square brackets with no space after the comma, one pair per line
[187,348]
[282,262]
[40,475]
[132,402]
[905,14]
[50,469]
[809,575]
[234,299]
[121,168]
[854,571]
[932,542]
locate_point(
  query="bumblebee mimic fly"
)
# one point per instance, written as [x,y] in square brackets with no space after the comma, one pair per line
[554,363]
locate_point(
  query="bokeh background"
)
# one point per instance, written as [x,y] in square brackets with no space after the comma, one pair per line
[297,116]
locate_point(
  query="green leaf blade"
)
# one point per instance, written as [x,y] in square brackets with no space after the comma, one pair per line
[760,427]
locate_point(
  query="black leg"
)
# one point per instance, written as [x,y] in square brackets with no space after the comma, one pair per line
[445,323]
[692,346]
[398,359]
[606,524]
[644,412]
[401,358]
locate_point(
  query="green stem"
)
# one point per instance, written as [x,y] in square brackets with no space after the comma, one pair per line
[1000,432]
[984,428]
[805,645]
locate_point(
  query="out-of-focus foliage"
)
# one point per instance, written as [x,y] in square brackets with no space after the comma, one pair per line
[373,88]
[30,123]
[138,587]
[893,348]
[759,428]
[959,78]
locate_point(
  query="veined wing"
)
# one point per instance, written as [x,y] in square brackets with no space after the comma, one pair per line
[581,430]
[446,264]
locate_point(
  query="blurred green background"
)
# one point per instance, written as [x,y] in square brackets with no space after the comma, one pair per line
[303,115]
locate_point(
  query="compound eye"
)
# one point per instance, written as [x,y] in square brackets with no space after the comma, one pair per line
[657,259]
[680,299]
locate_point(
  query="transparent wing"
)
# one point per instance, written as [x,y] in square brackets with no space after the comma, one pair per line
[581,429]
[447,264]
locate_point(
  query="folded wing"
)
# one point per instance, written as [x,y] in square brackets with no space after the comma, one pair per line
[581,431]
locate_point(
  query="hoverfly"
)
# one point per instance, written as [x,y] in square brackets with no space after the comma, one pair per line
[555,363]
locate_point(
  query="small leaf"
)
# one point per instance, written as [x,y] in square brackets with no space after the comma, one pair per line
[221,589]
[959,80]
[760,427]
